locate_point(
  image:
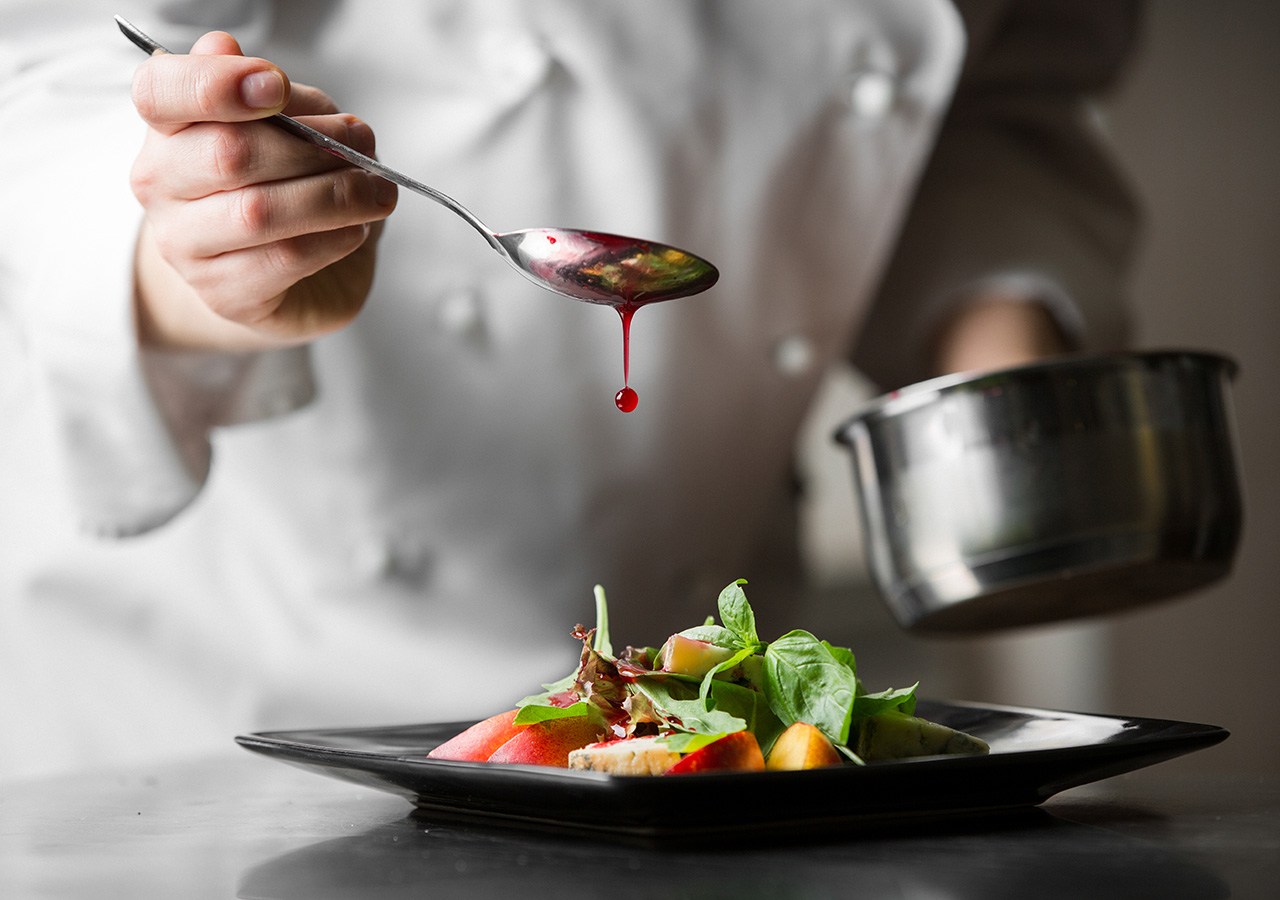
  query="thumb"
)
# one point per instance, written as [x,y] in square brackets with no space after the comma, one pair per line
[259,90]
[216,43]
[214,83]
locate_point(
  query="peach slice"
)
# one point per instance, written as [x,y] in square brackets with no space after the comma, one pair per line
[801,746]
[478,742]
[688,656]
[736,752]
[548,743]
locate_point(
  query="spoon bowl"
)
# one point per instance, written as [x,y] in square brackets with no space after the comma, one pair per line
[605,268]
[591,266]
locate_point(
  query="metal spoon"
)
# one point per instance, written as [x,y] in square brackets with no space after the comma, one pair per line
[585,265]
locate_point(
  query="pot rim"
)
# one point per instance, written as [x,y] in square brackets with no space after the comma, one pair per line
[913,396]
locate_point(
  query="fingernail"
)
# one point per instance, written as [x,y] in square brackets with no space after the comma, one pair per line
[262,90]
[384,192]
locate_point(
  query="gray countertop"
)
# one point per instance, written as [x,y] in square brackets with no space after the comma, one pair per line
[240,826]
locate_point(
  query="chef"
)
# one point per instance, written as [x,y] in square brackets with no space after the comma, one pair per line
[282,448]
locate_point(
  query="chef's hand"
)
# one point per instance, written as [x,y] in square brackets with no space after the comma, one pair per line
[253,238]
[996,331]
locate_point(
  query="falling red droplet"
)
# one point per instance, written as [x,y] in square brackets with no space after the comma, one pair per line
[551,239]
[626,400]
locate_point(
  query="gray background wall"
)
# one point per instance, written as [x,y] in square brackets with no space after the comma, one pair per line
[1196,126]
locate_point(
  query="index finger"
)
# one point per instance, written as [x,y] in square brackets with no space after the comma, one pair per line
[172,91]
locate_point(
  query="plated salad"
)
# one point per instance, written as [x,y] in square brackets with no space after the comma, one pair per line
[714,697]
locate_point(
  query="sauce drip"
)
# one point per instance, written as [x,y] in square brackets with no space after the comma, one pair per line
[613,271]
[626,399]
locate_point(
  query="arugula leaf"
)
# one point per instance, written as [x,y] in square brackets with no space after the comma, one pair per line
[685,742]
[601,643]
[752,707]
[709,678]
[902,699]
[737,616]
[712,634]
[805,682]
[538,713]
[676,699]
[853,757]
[549,690]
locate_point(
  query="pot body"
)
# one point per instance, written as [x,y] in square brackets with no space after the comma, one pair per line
[1068,488]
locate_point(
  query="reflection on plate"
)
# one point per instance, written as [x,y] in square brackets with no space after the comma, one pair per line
[1035,754]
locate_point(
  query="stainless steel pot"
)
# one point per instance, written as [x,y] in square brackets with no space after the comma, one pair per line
[1068,488]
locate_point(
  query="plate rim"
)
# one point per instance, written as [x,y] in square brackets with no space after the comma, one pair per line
[276,743]
[806,804]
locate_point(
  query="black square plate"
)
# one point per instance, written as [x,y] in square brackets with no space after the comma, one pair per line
[1035,753]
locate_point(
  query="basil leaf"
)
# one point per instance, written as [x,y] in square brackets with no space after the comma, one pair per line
[844,655]
[538,713]
[806,682]
[737,616]
[600,643]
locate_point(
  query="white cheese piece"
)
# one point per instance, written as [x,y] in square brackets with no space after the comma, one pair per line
[893,735]
[634,756]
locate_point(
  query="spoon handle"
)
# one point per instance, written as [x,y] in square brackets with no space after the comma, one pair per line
[337,148]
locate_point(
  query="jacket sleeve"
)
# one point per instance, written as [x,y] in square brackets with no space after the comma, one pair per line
[132,427]
[1020,193]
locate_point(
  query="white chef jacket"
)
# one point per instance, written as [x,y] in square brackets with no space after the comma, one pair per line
[403,521]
